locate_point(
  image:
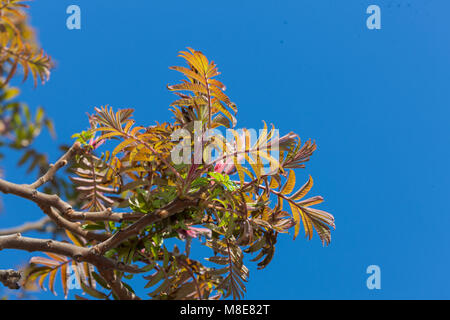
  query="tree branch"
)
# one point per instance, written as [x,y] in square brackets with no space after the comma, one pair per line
[47,201]
[73,227]
[106,215]
[117,286]
[39,225]
[170,209]
[79,254]
[55,167]
[25,191]
[10,278]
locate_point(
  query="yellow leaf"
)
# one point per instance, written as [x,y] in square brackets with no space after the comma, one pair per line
[42,279]
[105,129]
[249,173]
[194,87]
[51,281]
[307,224]
[262,136]
[135,130]
[140,149]
[196,59]
[279,206]
[273,183]
[217,83]
[64,279]
[290,184]
[320,215]
[73,238]
[76,271]
[296,216]
[122,146]
[303,190]
[128,125]
[216,92]
[258,168]
[56,257]
[311,201]
[274,164]
[143,157]
[87,272]
[109,135]
[240,171]
[189,73]
[228,114]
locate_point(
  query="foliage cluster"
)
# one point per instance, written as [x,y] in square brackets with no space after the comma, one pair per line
[137,213]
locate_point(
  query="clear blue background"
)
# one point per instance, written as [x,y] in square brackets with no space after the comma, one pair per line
[376,102]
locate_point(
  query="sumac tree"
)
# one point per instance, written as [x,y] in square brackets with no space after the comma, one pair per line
[138,212]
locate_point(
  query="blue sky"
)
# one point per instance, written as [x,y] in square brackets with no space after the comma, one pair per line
[376,102]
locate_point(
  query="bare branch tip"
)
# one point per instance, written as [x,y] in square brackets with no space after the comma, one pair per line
[77,145]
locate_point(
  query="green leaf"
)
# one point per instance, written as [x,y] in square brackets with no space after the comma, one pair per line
[100,280]
[93,292]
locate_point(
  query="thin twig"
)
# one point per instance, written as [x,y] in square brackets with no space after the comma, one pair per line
[55,167]
[10,278]
[79,254]
[170,209]
[105,215]
[117,286]
[39,225]
[46,202]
